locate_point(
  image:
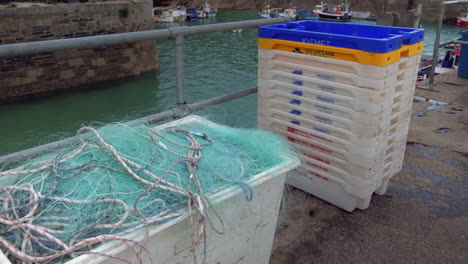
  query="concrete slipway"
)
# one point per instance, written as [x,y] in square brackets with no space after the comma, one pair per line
[423,217]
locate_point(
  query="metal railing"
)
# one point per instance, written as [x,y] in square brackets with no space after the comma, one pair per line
[177,34]
[435,55]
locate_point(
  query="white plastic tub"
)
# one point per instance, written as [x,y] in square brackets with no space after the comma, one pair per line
[324,86]
[265,97]
[331,190]
[269,88]
[249,225]
[377,72]
[327,134]
[325,161]
[364,156]
[320,73]
[293,110]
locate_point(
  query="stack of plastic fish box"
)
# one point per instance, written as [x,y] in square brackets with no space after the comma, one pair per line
[342,95]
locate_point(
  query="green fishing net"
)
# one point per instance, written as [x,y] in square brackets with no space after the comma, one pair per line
[122,177]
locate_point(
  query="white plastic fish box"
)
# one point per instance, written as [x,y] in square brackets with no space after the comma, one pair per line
[273,88]
[318,85]
[271,107]
[343,66]
[333,190]
[295,97]
[249,225]
[354,143]
[318,72]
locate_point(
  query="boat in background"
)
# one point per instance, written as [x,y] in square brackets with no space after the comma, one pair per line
[317,9]
[462,20]
[192,13]
[360,15]
[201,14]
[331,12]
[295,13]
[182,13]
[209,10]
[289,12]
[270,12]
[176,14]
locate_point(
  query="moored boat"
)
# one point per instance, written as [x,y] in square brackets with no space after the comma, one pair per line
[176,14]
[201,13]
[317,9]
[209,10]
[289,12]
[295,13]
[330,12]
[462,20]
[269,12]
[192,13]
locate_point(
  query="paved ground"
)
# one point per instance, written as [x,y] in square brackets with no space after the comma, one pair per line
[423,217]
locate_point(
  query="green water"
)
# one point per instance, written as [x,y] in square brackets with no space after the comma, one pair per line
[214,64]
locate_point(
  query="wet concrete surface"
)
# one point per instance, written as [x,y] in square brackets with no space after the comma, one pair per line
[422,218]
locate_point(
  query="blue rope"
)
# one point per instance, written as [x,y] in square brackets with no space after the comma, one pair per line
[247,190]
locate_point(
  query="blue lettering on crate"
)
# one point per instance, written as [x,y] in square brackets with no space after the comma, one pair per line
[298,72]
[296,122]
[324,120]
[316,41]
[296,92]
[326,77]
[327,89]
[326,99]
[295,112]
[296,102]
[322,130]
[297,82]
[324,109]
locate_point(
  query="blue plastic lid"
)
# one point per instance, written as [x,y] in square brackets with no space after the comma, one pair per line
[463,32]
[371,38]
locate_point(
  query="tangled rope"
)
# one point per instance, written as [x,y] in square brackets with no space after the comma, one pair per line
[34,228]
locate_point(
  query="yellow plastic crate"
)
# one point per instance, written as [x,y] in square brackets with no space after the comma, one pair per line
[411,50]
[363,57]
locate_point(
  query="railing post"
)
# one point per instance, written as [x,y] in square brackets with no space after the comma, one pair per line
[179,59]
[435,54]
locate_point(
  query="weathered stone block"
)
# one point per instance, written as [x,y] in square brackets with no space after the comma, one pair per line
[90,73]
[35,72]
[98,62]
[21,76]
[91,25]
[67,74]
[76,62]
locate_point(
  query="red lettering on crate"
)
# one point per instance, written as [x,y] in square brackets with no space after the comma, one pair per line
[317,166]
[315,157]
[318,175]
[306,134]
[295,140]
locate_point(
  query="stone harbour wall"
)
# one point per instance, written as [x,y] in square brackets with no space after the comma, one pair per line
[26,76]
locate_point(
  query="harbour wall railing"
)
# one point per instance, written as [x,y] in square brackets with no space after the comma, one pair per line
[177,34]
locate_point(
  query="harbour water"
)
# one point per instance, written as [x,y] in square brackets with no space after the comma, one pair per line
[215,64]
